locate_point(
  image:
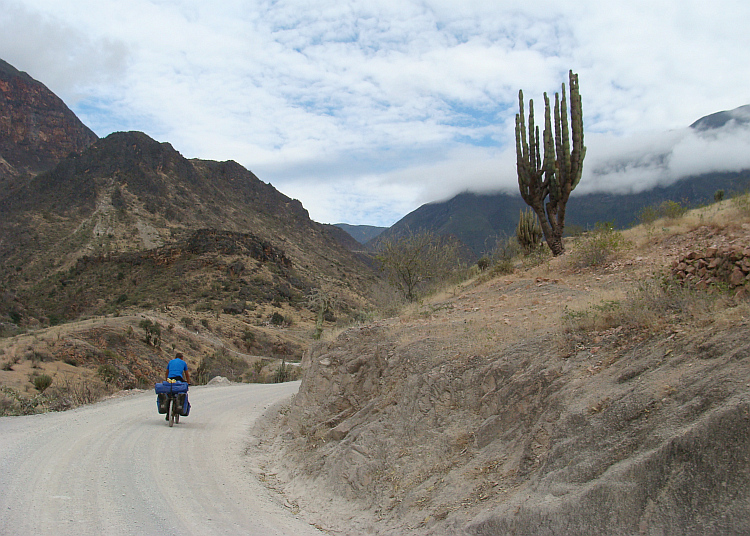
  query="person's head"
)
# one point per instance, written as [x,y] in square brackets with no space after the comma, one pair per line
[179,355]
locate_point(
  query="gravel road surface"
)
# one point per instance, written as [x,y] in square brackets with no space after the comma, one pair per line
[116,468]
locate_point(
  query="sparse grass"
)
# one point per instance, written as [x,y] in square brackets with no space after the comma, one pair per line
[598,246]
[670,210]
[652,304]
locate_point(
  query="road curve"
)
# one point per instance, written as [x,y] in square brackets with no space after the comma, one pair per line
[116,468]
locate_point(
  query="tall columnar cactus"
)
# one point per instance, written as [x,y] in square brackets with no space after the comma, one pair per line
[528,231]
[555,174]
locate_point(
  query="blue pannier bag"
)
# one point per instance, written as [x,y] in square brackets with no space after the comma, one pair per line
[171,387]
[184,405]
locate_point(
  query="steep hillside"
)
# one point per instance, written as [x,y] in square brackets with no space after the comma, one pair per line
[126,251]
[37,129]
[128,193]
[566,399]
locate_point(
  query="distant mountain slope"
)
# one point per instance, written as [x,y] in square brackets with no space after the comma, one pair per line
[128,193]
[361,233]
[37,129]
[740,115]
[477,219]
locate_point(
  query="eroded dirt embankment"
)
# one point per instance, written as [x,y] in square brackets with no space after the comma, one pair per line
[479,416]
[653,438]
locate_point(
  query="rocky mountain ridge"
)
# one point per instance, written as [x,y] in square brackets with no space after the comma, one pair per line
[37,129]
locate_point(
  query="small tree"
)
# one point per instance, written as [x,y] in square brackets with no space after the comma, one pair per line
[416,259]
[557,172]
[153,332]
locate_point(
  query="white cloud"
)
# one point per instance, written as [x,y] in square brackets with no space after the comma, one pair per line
[57,53]
[366,109]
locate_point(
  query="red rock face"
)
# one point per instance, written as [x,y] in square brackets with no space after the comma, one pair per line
[37,129]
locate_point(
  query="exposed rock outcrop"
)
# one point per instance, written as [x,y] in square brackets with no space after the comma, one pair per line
[37,129]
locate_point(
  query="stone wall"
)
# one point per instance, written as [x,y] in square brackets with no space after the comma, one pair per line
[726,266]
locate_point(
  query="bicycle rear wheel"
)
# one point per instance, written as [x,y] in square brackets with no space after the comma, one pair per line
[172,410]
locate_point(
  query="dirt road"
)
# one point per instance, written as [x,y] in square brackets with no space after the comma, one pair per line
[117,468]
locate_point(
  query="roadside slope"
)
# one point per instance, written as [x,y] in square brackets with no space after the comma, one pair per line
[556,400]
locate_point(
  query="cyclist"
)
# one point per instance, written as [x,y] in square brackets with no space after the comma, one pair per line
[177,369]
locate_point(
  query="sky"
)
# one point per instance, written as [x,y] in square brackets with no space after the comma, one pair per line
[366,109]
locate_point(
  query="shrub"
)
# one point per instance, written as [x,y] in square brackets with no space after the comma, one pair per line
[248,337]
[221,363]
[741,203]
[596,246]
[153,332]
[666,209]
[108,373]
[277,319]
[503,267]
[42,381]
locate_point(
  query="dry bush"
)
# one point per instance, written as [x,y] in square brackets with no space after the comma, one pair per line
[42,382]
[650,305]
[69,392]
[598,246]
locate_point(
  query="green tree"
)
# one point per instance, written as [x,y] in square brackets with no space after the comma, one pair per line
[549,177]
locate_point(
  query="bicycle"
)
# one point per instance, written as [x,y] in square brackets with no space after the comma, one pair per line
[172,400]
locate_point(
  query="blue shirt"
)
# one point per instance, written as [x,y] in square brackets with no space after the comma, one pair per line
[176,367]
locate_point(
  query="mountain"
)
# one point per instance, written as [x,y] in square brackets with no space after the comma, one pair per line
[129,201]
[479,219]
[126,225]
[740,115]
[361,233]
[37,129]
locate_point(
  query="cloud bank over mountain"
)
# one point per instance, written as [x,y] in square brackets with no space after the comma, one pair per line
[364,110]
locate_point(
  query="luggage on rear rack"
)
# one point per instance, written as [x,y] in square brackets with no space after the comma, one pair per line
[183,405]
[161,403]
[171,387]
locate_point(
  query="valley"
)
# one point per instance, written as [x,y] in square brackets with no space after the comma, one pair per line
[602,391]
